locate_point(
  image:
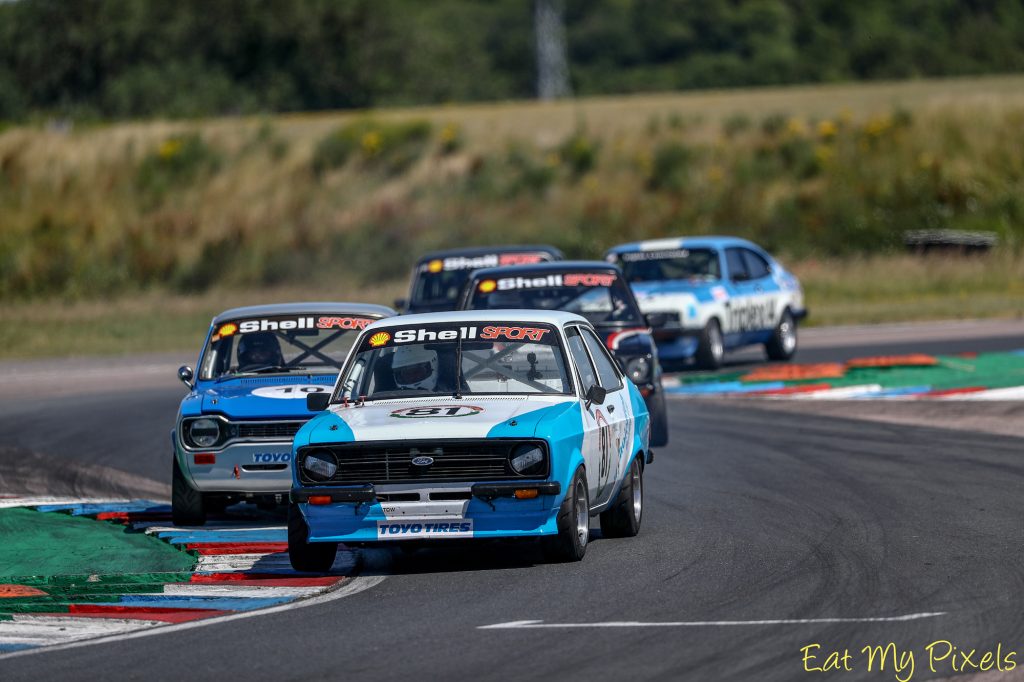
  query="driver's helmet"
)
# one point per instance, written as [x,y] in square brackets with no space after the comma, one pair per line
[415,367]
[258,349]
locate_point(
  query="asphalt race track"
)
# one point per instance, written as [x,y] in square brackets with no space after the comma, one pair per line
[764,531]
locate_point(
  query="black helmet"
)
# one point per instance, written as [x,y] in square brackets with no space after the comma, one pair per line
[259,348]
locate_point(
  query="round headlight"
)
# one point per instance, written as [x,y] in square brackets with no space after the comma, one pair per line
[528,460]
[321,465]
[638,370]
[204,432]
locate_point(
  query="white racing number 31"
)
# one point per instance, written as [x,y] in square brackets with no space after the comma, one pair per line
[437,411]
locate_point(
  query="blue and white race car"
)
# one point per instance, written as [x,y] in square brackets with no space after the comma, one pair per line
[472,424]
[718,293]
[233,435]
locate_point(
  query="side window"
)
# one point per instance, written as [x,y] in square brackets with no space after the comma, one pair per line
[757,267]
[737,266]
[588,377]
[606,371]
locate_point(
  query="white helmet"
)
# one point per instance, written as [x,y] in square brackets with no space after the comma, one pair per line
[415,367]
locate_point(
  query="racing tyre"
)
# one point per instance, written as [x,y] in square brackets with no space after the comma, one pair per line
[187,508]
[622,520]
[710,346]
[659,420]
[310,557]
[783,342]
[573,523]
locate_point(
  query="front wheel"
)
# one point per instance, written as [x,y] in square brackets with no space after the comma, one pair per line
[782,345]
[187,505]
[309,557]
[573,523]
[710,346]
[622,520]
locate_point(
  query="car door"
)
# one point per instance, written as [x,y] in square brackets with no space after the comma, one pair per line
[753,298]
[740,292]
[767,295]
[592,425]
[614,417]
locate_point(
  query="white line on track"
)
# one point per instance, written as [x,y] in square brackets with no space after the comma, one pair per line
[537,624]
[347,589]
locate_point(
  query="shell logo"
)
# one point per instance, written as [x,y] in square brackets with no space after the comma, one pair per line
[436,265]
[225,330]
[487,286]
[379,339]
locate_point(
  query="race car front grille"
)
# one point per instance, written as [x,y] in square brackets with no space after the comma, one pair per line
[268,430]
[673,317]
[391,462]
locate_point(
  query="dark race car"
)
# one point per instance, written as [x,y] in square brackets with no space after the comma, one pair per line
[438,277]
[598,292]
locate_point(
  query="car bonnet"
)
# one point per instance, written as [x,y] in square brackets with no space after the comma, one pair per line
[437,418]
[264,397]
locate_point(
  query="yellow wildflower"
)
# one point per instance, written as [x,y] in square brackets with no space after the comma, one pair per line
[371,143]
[878,125]
[796,127]
[827,129]
[823,153]
[449,133]
[169,148]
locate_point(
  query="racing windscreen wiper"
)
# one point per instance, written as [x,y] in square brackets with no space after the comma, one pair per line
[261,369]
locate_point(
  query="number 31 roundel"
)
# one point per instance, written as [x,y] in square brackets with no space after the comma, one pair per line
[437,411]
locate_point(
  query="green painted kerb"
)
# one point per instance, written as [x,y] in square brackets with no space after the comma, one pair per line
[51,544]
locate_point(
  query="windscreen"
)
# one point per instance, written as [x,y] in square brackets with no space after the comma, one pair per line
[280,344]
[652,266]
[457,359]
[438,282]
[601,297]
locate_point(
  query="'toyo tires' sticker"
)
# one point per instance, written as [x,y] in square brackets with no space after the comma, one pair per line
[449,528]
[436,411]
[288,392]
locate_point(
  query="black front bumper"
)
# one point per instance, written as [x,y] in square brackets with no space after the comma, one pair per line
[368,494]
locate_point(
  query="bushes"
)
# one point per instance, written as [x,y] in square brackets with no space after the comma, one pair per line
[669,167]
[177,162]
[237,205]
[579,153]
[391,147]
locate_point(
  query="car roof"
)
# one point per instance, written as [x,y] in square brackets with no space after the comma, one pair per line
[471,251]
[702,242]
[313,307]
[550,267]
[518,316]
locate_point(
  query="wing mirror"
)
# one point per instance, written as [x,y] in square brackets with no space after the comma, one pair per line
[400,304]
[595,395]
[318,402]
[185,375]
[655,320]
